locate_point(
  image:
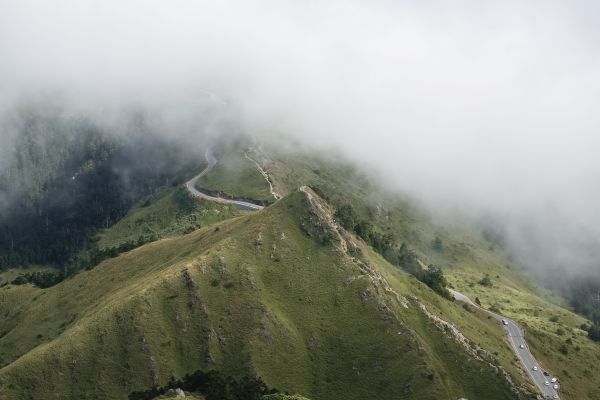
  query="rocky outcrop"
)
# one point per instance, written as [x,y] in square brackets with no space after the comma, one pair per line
[318,222]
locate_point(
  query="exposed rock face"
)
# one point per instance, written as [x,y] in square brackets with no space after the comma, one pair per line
[475,351]
[453,330]
[318,222]
[189,282]
[258,241]
[151,362]
[176,392]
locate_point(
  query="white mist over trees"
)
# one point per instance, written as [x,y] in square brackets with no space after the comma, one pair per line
[488,107]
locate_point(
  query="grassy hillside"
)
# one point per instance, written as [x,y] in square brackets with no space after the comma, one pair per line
[287,295]
[238,177]
[466,257]
[170,212]
[281,293]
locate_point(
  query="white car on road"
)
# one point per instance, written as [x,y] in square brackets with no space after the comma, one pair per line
[535,368]
[521,346]
[504,322]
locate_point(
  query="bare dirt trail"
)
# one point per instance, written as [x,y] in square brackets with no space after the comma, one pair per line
[264,173]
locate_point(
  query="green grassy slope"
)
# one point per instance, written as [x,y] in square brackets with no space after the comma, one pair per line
[237,177]
[466,256]
[170,212]
[276,293]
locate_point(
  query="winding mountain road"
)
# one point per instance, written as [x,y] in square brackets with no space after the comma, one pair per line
[516,339]
[199,194]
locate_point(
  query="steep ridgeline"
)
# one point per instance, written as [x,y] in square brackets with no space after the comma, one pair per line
[283,294]
[402,231]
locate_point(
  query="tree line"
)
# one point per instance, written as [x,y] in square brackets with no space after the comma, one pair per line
[584,295]
[213,386]
[397,254]
[78,180]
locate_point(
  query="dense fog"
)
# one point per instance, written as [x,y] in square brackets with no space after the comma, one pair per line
[488,107]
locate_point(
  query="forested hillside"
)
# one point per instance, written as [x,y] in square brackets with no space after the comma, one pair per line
[67,176]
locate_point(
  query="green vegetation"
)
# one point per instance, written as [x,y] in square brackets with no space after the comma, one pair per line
[237,177]
[68,177]
[593,331]
[170,212]
[563,349]
[467,255]
[285,295]
[41,279]
[517,297]
[434,278]
[397,255]
[20,274]
[321,321]
[213,386]
[486,281]
[585,297]
[437,244]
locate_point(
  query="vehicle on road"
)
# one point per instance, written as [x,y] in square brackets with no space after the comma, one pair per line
[514,331]
[546,373]
[554,379]
[555,387]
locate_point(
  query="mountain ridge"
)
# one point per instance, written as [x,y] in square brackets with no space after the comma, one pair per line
[195,272]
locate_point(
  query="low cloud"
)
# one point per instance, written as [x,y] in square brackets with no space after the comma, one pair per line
[489,107]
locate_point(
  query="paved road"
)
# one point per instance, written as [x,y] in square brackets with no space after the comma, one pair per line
[516,339]
[191,187]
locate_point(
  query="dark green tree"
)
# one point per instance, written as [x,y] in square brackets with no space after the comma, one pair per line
[437,244]
[486,281]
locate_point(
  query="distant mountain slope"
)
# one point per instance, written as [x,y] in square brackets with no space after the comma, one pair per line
[283,294]
[67,176]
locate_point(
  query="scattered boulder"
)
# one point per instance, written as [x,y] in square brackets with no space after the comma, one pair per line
[258,241]
[178,393]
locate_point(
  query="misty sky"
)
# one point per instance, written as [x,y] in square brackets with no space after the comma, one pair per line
[487,105]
